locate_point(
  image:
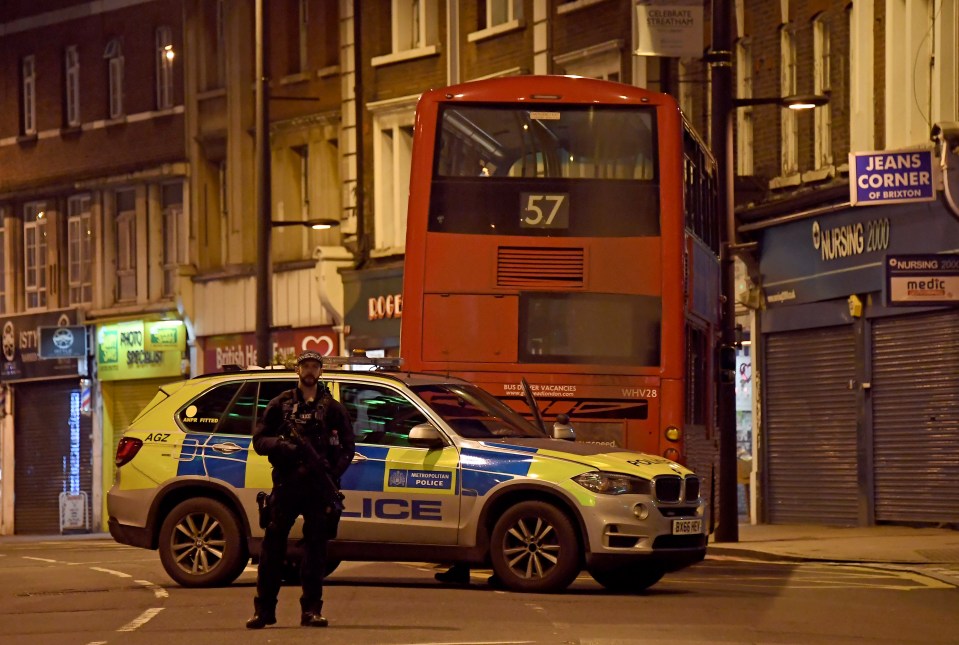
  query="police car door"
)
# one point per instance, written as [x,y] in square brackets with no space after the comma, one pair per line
[396,492]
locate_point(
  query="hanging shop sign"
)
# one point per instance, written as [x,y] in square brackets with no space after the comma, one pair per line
[123,354]
[21,356]
[891,177]
[922,280]
[240,349]
[63,342]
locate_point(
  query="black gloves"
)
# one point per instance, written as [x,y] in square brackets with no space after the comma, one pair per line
[287,449]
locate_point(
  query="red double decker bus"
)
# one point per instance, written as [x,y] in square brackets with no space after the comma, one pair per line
[565,230]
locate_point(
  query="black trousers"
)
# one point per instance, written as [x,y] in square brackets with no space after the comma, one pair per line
[289,502]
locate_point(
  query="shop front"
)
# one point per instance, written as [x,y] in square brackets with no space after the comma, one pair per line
[238,351]
[374,308]
[47,446]
[133,359]
[860,402]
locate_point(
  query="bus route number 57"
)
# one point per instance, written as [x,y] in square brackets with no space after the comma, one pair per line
[544,210]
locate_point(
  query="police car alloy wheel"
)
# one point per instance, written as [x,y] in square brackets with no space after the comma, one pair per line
[200,544]
[534,548]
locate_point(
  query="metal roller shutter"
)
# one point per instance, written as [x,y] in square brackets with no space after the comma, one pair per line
[810,427]
[915,403]
[53,453]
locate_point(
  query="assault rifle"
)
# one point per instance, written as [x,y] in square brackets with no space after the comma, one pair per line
[332,495]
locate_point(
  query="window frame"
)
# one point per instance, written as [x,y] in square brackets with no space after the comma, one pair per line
[115,72]
[125,248]
[822,116]
[744,115]
[28,94]
[789,130]
[164,67]
[71,64]
[3,267]
[172,243]
[391,178]
[35,275]
[79,249]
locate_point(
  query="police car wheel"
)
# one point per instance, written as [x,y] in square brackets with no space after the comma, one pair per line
[534,548]
[628,578]
[200,544]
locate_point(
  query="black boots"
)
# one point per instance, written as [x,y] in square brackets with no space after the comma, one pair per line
[262,615]
[312,619]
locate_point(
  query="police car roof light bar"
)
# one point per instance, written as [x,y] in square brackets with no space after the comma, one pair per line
[390,362]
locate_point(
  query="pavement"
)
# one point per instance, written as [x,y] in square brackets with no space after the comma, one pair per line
[886,544]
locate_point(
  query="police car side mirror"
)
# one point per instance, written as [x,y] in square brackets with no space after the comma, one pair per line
[424,435]
[563,429]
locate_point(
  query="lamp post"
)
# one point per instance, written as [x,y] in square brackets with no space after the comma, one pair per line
[264,313]
[724,105]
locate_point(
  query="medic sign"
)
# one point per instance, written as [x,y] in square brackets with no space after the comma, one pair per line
[922,279]
[891,177]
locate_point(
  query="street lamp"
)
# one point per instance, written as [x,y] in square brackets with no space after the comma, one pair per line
[724,104]
[315,224]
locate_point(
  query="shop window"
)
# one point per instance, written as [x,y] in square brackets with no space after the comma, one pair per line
[79,249]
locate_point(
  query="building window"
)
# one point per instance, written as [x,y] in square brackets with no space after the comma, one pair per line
[71,64]
[603,61]
[35,218]
[744,115]
[302,154]
[164,65]
[414,24]
[823,116]
[28,102]
[494,13]
[126,245]
[392,155]
[304,35]
[171,198]
[788,122]
[80,249]
[114,57]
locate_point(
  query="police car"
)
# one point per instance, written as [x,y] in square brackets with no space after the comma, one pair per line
[443,472]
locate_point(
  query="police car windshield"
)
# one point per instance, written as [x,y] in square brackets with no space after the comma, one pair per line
[474,413]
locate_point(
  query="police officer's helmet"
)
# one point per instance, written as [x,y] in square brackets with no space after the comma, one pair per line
[309,355]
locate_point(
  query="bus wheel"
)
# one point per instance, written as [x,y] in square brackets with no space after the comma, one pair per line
[628,578]
[200,544]
[534,548]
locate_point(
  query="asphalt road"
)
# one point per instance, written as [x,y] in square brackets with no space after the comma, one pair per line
[97,592]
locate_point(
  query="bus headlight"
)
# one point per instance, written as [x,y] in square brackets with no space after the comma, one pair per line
[673,433]
[599,481]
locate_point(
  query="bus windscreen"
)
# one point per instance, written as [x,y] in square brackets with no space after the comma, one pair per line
[570,170]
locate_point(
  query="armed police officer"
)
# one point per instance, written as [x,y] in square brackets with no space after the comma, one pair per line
[308,438]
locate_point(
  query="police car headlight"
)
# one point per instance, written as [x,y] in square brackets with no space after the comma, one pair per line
[606,483]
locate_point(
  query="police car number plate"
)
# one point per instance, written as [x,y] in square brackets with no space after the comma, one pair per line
[687,527]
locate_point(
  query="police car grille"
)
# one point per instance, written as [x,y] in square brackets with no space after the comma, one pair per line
[668,488]
[692,489]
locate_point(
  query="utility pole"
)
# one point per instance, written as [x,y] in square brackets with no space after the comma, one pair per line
[720,60]
[264,273]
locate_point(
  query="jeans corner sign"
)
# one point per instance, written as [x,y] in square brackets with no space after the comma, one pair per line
[891,177]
